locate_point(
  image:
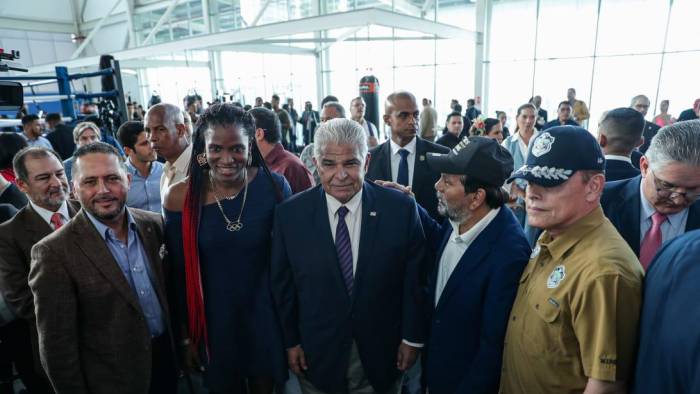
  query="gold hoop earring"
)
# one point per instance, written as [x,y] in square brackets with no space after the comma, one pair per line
[202,159]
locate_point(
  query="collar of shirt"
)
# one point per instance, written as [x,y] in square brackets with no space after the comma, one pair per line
[470,235]
[558,246]
[182,162]
[275,154]
[618,157]
[354,205]
[410,147]
[46,214]
[134,171]
[676,219]
[106,232]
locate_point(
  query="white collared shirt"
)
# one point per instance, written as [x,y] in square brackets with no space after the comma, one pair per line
[455,248]
[396,159]
[46,214]
[673,226]
[353,219]
[175,172]
[618,157]
[522,146]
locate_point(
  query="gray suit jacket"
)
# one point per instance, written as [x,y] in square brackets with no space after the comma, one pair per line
[93,337]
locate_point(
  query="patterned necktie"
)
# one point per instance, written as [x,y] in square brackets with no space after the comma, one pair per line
[652,240]
[56,221]
[344,248]
[402,177]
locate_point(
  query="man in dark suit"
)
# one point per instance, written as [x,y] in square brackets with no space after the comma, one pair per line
[641,104]
[309,120]
[661,203]
[481,253]
[619,133]
[99,290]
[349,299]
[60,136]
[40,176]
[541,112]
[401,159]
[564,117]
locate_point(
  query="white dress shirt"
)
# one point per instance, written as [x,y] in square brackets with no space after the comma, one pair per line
[175,172]
[455,248]
[673,226]
[353,219]
[618,157]
[396,159]
[46,214]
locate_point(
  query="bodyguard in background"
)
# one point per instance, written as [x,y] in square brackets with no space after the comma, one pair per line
[141,163]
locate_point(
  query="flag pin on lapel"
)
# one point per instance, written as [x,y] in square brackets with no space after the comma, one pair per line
[373,213]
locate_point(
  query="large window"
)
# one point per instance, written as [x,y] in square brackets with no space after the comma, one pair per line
[609,51]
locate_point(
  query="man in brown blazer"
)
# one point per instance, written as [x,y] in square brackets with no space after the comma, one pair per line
[99,290]
[41,177]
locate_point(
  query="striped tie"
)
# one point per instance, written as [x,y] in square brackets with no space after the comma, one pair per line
[344,248]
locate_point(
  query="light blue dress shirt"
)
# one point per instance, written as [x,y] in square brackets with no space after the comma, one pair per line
[41,141]
[673,226]
[133,262]
[144,192]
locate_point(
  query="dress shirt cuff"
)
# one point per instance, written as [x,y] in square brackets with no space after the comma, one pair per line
[417,345]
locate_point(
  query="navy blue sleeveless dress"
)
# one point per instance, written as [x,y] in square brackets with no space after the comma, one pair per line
[244,334]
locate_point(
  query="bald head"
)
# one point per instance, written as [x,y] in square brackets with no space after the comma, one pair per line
[392,99]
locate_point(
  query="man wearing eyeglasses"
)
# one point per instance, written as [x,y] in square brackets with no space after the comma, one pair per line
[662,203]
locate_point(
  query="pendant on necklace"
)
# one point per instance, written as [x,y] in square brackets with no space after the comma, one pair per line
[234,226]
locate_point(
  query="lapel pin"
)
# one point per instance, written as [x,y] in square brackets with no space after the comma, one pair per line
[421,157]
[373,213]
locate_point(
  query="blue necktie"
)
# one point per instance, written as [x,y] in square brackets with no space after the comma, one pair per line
[402,177]
[344,248]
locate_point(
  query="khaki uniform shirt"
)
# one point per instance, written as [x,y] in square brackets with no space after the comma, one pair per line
[576,312]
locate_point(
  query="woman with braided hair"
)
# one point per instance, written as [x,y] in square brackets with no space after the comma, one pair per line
[218,235]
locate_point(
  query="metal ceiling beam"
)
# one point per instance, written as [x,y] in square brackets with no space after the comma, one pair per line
[427,6]
[260,13]
[266,48]
[163,18]
[136,64]
[131,34]
[357,18]
[94,31]
[37,25]
[340,38]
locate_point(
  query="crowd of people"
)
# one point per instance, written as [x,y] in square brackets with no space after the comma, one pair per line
[203,251]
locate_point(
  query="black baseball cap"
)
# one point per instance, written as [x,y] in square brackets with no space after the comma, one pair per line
[479,158]
[555,154]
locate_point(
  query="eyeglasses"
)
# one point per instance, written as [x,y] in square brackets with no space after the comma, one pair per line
[666,190]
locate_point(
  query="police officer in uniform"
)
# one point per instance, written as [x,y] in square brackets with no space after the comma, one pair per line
[573,325]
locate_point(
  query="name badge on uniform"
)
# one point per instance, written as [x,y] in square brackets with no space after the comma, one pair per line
[556,277]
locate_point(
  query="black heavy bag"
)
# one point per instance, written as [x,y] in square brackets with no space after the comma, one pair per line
[369,91]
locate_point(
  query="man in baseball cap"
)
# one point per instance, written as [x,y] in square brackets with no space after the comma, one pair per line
[480,253]
[573,326]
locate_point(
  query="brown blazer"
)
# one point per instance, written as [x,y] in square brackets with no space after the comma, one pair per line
[93,337]
[17,236]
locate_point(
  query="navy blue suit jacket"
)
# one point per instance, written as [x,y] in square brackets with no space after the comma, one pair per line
[668,360]
[468,325]
[423,177]
[388,300]
[616,170]
[621,203]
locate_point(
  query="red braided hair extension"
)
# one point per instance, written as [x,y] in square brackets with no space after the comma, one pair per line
[197,322]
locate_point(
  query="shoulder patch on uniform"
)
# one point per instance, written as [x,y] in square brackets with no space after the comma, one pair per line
[556,277]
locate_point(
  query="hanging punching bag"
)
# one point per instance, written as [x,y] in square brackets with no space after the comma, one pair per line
[369,91]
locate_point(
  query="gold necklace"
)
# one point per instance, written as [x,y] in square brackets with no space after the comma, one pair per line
[237,224]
